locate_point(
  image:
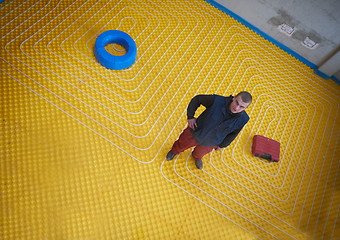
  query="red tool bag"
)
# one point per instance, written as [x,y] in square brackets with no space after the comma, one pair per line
[266,148]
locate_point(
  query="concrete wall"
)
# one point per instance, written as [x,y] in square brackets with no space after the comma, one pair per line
[315,25]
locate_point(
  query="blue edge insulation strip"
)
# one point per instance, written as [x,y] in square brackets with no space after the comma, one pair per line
[269,38]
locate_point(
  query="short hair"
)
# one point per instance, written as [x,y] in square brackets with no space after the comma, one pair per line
[246,96]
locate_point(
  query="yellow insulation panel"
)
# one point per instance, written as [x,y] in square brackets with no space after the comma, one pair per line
[83,147]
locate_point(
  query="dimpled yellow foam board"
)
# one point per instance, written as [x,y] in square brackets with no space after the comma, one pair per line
[83,147]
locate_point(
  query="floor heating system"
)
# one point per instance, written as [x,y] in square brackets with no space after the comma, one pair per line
[83,147]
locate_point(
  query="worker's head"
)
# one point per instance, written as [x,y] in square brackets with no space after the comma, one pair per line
[240,102]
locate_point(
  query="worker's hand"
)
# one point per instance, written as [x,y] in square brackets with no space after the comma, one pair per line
[192,123]
[218,149]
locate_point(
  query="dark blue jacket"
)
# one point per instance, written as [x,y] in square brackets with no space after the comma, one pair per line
[216,126]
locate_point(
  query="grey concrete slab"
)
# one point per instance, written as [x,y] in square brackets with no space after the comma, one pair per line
[316,24]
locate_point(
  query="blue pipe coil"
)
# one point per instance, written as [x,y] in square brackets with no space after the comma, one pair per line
[111,61]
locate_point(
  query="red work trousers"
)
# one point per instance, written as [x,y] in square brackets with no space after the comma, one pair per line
[186,141]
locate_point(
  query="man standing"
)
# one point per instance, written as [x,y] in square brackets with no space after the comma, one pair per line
[215,128]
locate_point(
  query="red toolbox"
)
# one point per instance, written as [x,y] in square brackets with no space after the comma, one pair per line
[266,148]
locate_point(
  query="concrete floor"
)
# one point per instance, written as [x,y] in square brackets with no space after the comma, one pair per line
[319,21]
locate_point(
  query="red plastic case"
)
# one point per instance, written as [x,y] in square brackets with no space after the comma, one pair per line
[266,148]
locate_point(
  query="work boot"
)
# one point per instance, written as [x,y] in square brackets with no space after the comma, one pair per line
[199,164]
[170,156]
